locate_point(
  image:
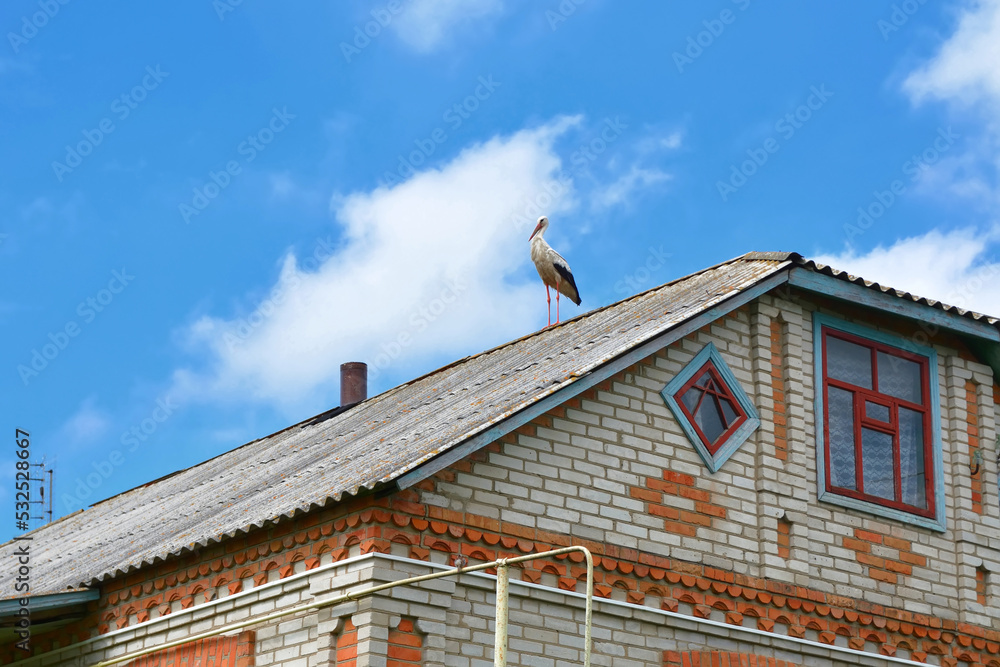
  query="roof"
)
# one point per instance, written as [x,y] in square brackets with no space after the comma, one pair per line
[857,280]
[347,451]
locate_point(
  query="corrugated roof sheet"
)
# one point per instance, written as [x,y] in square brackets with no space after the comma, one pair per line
[346,451]
[844,275]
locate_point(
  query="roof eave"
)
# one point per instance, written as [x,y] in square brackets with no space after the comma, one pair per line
[980,331]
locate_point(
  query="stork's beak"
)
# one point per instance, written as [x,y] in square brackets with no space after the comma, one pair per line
[537,227]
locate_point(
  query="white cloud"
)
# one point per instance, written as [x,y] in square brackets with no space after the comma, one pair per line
[964,74]
[619,191]
[965,68]
[420,269]
[88,423]
[957,267]
[426,24]
[661,141]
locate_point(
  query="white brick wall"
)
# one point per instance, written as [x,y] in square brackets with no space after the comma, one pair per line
[575,476]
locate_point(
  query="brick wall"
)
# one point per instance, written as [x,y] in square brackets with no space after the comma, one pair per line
[614,468]
[720,659]
[347,646]
[232,651]
[405,645]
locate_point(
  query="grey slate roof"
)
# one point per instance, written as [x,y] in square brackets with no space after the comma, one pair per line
[318,461]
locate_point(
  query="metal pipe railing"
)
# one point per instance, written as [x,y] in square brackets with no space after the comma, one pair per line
[502,582]
[500,635]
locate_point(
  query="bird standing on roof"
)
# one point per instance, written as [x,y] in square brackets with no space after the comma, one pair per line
[552,268]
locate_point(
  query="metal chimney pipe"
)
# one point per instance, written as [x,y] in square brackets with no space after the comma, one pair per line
[353,382]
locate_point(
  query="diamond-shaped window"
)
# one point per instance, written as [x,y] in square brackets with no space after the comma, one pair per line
[710,405]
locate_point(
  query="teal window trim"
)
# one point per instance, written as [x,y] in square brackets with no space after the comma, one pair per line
[939,521]
[740,435]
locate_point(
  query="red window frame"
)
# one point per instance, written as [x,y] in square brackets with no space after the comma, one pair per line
[741,415]
[861,419]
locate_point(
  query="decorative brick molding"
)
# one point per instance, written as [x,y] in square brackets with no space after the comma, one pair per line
[405,645]
[657,493]
[975,453]
[369,525]
[784,537]
[678,586]
[720,659]
[884,568]
[346,646]
[232,651]
[778,336]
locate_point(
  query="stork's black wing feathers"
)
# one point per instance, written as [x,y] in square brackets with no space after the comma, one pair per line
[567,277]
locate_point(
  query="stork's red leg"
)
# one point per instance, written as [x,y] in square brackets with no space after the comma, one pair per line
[557,302]
[548,302]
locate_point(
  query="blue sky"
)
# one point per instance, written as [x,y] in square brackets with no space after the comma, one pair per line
[207,207]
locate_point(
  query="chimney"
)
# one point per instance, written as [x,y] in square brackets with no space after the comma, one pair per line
[353,382]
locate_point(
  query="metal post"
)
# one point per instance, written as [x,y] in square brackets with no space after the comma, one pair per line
[590,607]
[500,640]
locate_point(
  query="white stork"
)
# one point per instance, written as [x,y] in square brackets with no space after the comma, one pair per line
[552,268]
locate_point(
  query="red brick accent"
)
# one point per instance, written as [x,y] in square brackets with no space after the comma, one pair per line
[981,586]
[719,659]
[778,390]
[784,537]
[405,645]
[880,568]
[347,646]
[972,425]
[235,651]
[675,520]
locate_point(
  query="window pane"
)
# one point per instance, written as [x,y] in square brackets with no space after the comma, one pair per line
[848,362]
[728,412]
[899,377]
[840,414]
[877,464]
[691,396]
[911,454]
[876,411]
[709,420]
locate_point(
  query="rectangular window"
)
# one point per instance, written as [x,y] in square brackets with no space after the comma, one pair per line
[878,417]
